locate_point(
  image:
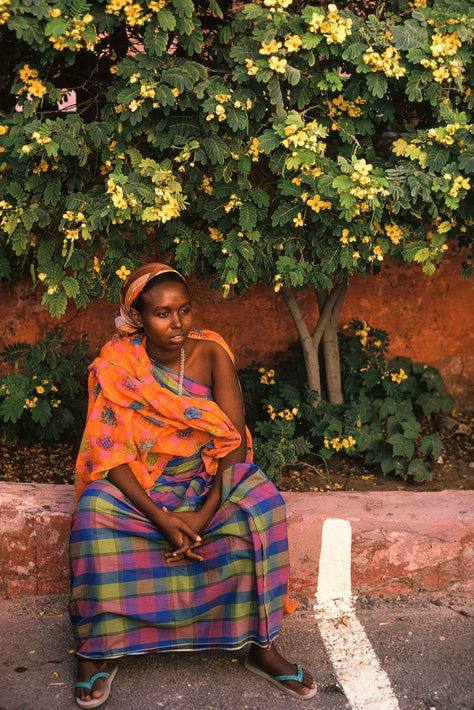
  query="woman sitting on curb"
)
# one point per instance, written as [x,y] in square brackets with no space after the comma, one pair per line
[179,541]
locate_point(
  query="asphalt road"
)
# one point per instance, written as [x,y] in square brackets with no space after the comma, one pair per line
[424,645]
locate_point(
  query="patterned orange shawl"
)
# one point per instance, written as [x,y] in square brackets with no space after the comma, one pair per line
[134,419]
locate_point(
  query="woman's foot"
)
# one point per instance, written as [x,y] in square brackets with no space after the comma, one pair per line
[85,670]
[271,662]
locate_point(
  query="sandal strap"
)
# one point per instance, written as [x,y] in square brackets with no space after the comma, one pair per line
[298,677]
[90,684]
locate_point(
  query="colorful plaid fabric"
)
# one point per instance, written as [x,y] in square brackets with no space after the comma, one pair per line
[125,599]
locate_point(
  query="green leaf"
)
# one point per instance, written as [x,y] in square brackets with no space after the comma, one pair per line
[432,444]
[437,157]
[410,428]
[293,75]
[99,133]
[422,254]
[377,84]
[401,445]
[215,148]
[237,119]
[274,91]
[284,213]
[52,192]
[269,140]
[71,286]
[215,9]
[466,161]
[57,304]
[409,36]
[354,51]
[419,470]
[166,19]
[41,413]
[248,216]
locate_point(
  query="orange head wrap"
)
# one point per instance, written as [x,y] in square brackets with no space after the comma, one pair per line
[132,288]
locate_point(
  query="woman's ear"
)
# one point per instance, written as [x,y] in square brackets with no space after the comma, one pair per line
[135,315]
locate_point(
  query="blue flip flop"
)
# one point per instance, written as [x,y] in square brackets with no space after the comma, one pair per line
[277,680]
[96,702]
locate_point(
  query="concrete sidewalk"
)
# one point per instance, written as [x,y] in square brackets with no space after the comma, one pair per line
[423,644]
[401,542]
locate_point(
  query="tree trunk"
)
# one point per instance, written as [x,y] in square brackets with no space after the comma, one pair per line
[310,351]
[330,306]
[330,340]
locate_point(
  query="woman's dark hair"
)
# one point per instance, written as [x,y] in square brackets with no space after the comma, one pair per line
[168,277]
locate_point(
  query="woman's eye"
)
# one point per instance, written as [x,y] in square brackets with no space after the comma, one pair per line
[162,315]
[186,310]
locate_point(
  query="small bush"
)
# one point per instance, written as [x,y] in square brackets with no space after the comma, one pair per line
[45,398]
[385,405]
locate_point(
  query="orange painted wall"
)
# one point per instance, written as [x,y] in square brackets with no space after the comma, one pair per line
[428,318]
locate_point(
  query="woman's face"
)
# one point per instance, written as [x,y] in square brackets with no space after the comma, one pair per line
[166,317]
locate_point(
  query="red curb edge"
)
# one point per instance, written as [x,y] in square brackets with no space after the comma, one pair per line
[401,542]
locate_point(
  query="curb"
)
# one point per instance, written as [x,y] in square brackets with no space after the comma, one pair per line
[401,542]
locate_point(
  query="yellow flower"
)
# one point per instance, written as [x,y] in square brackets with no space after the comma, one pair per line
[4,130]
[26,149]
[42,276]
[270,47]
[175,92]
[55,12]
[40,389]
[37,88]
[399,376]
[87,19]
[293,43]
[278,65]
[215,234]
[123,272]
[394,232]
[298,220]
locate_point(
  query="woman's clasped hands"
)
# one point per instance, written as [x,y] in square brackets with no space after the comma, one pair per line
[176,527]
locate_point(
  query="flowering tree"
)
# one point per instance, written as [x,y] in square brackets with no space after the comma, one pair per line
[274,141]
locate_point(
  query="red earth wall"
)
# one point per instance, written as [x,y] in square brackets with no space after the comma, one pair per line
[428,318]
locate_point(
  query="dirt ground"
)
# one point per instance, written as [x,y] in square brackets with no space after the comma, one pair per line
[454,469]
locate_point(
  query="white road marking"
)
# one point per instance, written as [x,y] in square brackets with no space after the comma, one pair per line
[365,683]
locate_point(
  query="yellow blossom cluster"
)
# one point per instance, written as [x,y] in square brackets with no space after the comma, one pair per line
[445,45]
[30,403]
[388,61]
[459,183]
[4,130]
[363,333]
[233,202]
[339,442]
[123,272]
[366,188]
[443,70]
[332,26]
[298,221]
[254,150]
[293,43]
[278,6]
[32,84]
[394,232]
[307,137]
[278,284]
[444,134]
[399,376]
[206,185]
[252,68]
[316,203]
[134,12]
[80,33]
[287,414]
[340,105]
[116,194]
[215,234]
[267,377]
[4,14]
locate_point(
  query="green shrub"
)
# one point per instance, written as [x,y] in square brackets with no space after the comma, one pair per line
[45,397]
[385,406]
